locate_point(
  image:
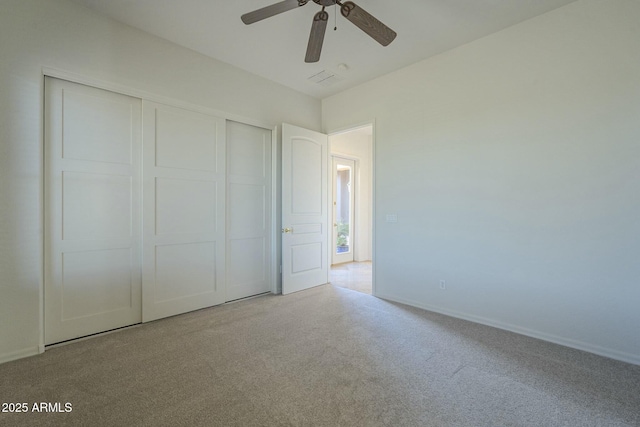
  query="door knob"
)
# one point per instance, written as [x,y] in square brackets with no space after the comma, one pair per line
[287,230]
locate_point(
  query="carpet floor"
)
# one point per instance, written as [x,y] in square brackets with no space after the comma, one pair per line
[327,356]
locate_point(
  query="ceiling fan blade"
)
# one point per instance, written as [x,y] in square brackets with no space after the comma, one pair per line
[269,11]
[367,23]
[318,28]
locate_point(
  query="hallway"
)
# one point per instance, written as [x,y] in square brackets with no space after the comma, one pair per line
[353,275]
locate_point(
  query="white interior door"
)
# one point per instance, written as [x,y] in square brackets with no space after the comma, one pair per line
[304,209]
[92,210]
[248,210]
[343,178]
[184,211]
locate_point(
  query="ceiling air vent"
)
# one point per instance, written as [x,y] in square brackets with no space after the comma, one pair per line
[325,78]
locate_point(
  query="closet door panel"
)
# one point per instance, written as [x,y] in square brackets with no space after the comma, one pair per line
[249,210]
[92,280]
[184,215]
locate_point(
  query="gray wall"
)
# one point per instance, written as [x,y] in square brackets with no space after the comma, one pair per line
[520,158]
[61,35]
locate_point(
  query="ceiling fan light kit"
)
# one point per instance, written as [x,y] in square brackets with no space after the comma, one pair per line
[354,13]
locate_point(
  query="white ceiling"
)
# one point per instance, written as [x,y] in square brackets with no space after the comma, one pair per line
[275,48]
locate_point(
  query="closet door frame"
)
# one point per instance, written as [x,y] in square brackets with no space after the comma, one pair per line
[148,96]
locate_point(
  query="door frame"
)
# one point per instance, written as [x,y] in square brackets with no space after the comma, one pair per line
[345,129]
[355,182]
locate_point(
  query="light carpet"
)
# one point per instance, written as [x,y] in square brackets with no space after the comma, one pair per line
[327,356]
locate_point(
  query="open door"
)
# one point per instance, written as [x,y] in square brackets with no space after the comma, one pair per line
[304,209]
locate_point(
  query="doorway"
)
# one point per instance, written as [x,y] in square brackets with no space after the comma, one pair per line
[352,213]
[343,210]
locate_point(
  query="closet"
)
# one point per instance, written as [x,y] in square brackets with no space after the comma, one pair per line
[151,210]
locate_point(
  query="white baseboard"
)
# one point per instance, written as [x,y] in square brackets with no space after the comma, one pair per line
[567,342]
[20,354]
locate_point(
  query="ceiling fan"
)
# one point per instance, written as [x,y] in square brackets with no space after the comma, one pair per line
[354,13]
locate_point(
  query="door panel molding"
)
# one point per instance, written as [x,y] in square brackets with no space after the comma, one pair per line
[92,202]
[304,209]
[183,211]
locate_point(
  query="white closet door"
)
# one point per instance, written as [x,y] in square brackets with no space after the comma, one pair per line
[92,210]
[184,211]
[248,210]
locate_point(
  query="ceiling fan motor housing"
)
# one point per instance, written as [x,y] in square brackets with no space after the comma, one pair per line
[325,2]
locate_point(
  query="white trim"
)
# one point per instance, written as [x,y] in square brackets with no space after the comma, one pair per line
[41,206]
[351,128]
[20,354]
[330,208]
[148,96]
[555,339]
[345,156]
[373,208]
[275,267]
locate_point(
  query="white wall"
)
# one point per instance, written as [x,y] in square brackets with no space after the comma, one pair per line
[513,165]
[61,35]
[358,144]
